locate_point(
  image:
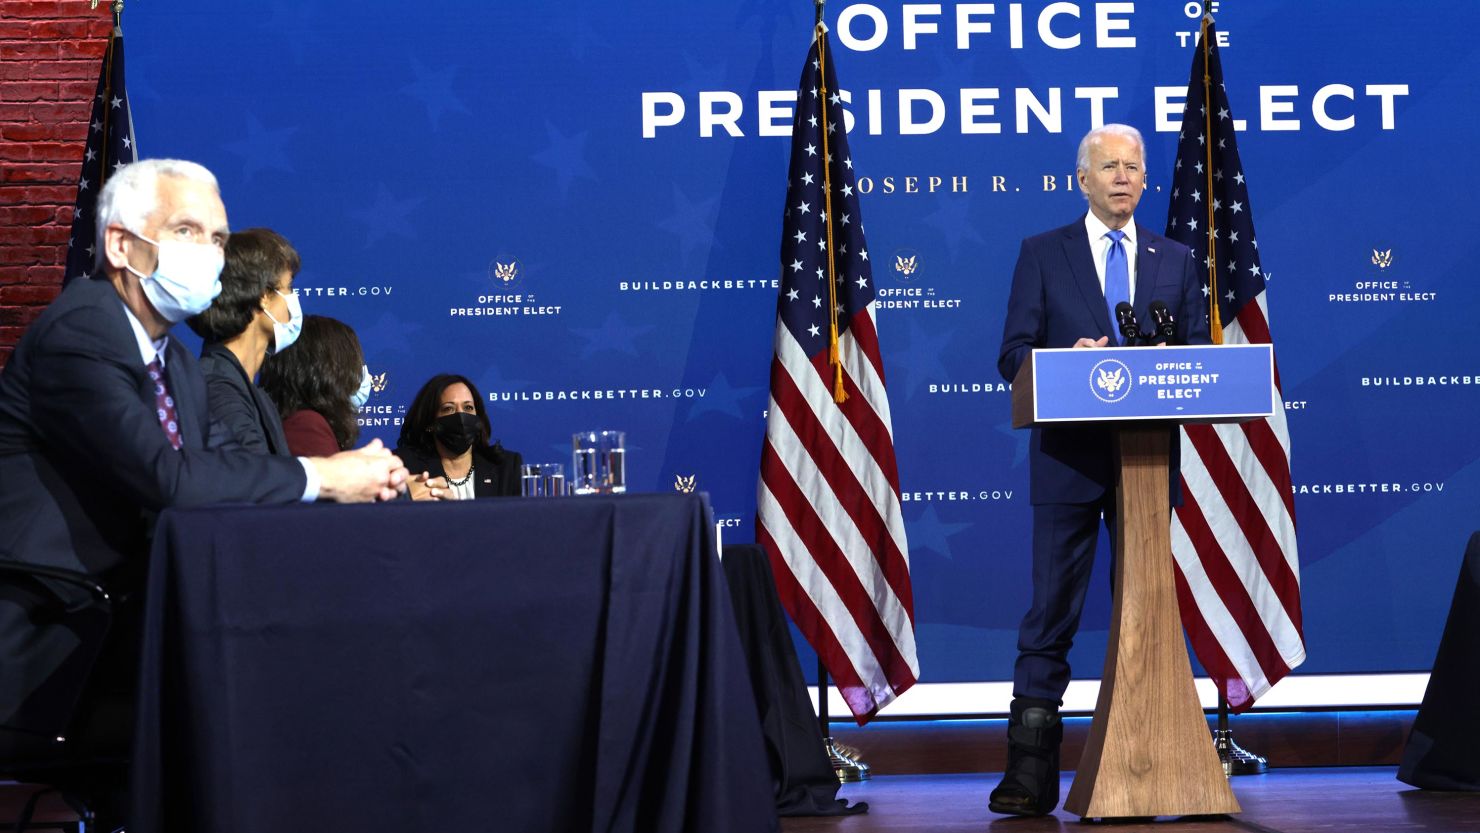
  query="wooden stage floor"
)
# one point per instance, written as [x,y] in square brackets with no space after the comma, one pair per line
[1328,800]
[1331,800]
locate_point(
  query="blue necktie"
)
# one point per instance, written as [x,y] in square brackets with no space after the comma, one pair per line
[1117,280]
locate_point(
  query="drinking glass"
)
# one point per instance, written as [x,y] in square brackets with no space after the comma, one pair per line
[598,462]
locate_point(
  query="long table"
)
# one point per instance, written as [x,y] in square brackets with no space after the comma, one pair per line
[502,665]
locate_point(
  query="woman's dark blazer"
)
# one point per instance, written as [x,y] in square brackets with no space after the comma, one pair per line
[242,416]
[496,469]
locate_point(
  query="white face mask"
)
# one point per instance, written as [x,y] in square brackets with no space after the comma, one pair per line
[186,279]
[285,333]
[361,396]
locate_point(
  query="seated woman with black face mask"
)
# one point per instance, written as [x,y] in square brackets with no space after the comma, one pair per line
[446,434]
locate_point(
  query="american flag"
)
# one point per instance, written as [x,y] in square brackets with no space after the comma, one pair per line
[110,145]
[828,506]
[1233,538]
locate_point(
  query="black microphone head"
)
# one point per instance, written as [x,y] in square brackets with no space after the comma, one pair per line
[1125,317]
[1161,318]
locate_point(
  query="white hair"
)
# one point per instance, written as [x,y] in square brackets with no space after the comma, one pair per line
[132,194]
[1103,130]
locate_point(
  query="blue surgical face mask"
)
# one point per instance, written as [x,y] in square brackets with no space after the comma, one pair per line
[186,279]
[361,396]
[284,333]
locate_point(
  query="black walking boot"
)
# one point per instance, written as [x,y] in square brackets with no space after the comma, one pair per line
[1030,787]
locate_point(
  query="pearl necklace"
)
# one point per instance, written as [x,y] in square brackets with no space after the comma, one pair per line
[462,482]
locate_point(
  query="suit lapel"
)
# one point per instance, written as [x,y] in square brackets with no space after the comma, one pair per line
[1082,267]
[1148,266]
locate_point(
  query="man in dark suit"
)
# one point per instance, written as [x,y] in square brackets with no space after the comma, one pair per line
[1065,289]
[103,423]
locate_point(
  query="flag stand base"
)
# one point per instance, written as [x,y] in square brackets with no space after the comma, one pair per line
[845,761]
[1236,760]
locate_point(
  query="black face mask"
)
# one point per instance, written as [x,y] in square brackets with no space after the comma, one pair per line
[456,432]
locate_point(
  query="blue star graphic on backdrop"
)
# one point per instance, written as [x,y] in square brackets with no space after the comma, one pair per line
[693,222]
[580,35]
[297,25]
[952,217]
[566,156]
[433,88]
[262,149]
[959,74]
[720,396]
[1020,442]
[929,532]
[494,381]
[702,77]
[920,360]
[613,335]
[387,215]
[389,336]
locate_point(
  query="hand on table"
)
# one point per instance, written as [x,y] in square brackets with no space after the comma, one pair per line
[364,474]
[425,487]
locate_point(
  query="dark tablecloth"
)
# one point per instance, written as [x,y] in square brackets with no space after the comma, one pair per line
[502,665]
[1443,751]
[802,778]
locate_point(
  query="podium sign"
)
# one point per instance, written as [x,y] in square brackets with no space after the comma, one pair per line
[1203,383]
[1149,750]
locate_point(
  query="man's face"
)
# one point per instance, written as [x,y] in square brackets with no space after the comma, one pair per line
[1114,180]
[188,212]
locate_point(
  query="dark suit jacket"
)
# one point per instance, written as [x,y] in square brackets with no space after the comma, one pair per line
[84,468]
[1055,301]
[496,475]
[242,416]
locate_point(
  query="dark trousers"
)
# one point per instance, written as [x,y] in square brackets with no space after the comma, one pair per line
[1064,536]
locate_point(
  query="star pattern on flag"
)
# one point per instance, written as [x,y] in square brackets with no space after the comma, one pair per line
[1233,250]
[110,145]
[805,234]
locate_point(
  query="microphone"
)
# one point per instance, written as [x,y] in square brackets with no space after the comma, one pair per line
[1125,317]
[1161,319]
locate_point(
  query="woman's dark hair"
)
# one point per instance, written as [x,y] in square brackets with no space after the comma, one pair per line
[319,372]
[416,430]
[255,257]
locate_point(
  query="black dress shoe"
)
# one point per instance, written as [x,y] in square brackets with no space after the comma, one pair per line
[1030,787]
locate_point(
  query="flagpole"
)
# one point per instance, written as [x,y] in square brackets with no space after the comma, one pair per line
[843,760]
[839,395]
[1215,320]
[1236,760]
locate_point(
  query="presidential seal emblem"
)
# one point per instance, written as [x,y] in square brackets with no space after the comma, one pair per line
[1110,380]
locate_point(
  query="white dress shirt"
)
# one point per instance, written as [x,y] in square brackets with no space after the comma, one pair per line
[1099,246]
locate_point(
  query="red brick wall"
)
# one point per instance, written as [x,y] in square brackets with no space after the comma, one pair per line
[50,51]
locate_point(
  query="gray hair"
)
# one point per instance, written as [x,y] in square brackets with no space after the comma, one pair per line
[1094,136]
[132,194]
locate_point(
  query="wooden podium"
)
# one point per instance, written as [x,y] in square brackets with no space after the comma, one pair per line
[1149,751]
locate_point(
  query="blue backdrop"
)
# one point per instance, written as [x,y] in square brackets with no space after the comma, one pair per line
[578,206]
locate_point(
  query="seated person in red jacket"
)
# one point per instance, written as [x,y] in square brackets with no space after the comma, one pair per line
[318,386]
